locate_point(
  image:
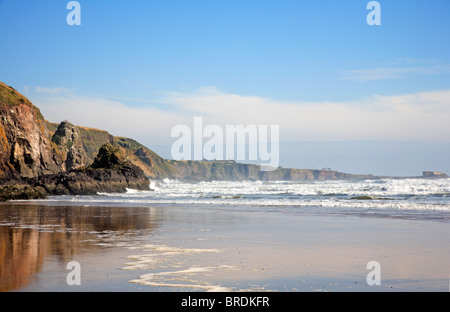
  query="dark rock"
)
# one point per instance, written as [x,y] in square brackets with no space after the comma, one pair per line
[20,191]
[109,156]
[110,172]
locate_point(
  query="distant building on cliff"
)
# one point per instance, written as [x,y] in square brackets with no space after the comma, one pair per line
[434,174]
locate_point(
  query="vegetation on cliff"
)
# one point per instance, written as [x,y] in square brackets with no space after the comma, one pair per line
[10,96]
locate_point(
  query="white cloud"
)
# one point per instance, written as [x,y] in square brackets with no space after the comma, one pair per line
[419,116]
[53,90]
[411,117]
[395,72]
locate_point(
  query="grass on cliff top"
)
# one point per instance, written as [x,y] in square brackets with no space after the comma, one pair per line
[134,145]
[10,96]
[93,139]
[158,168]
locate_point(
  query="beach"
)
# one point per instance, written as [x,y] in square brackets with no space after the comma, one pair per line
[129,246]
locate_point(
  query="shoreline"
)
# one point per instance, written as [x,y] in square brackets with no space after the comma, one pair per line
[193,248]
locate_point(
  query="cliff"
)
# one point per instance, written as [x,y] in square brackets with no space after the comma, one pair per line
[26,150]
[86,141]
[36,154]
[233,171]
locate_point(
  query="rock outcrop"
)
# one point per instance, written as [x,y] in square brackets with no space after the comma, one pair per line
[68,139]
[22,192]
[110,172]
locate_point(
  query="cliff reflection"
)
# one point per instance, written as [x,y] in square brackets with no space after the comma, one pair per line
[29,234]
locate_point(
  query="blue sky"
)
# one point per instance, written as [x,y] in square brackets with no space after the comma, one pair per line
[138,68]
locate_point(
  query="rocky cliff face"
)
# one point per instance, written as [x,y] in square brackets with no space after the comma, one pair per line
[26,150]
[39,158]
[68,139]
[110,172]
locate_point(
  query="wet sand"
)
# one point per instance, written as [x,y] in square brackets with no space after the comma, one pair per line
[216,248]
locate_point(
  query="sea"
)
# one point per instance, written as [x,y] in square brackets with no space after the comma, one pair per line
[412,198]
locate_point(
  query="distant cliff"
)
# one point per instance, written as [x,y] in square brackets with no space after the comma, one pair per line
[233,171]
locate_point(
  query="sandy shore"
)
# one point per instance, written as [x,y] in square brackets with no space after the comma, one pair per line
[207,248]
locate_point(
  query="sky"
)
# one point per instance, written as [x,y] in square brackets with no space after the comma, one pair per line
[346,95]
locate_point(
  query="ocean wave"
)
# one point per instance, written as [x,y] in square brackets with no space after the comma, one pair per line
[399,194]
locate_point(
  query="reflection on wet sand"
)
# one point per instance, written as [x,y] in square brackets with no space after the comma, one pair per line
[29,234]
